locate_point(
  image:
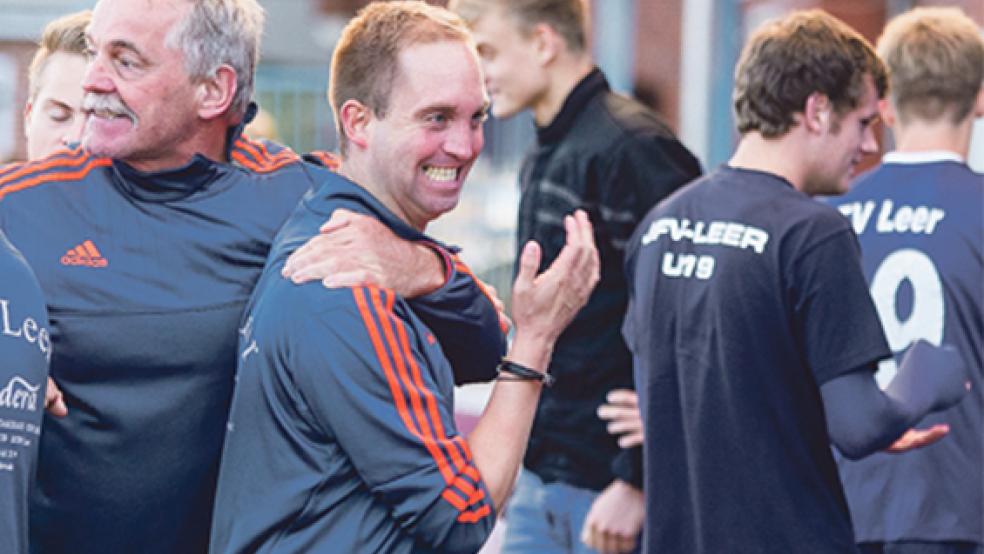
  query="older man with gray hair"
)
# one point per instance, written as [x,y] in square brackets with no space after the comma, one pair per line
[164,220]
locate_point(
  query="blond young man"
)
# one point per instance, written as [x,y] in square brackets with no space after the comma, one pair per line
[607,154]
[53,114]
[918,217]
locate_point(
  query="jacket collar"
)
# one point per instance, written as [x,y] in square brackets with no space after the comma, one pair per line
[169,184]
[593,84]
[177,183]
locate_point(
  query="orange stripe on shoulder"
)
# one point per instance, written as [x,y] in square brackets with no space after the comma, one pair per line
[327,159]
[63,158]
[245,147]
[60,155]
[263,161]
[54,177]
[239,157]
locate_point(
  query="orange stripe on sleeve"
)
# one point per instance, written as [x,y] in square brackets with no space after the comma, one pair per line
[474,516]
[395,389]
[381,304]
[384,361]
[434,443]
[465,487]
[450,445]
[454,500]
[435,416]
[461,504]
[473,473]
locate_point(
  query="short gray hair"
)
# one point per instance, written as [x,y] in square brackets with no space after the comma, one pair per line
[218,32]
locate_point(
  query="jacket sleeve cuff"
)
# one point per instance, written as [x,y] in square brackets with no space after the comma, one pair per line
[627,466]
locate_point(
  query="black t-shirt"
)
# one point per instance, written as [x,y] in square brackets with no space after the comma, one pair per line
[25,349]
[746,295]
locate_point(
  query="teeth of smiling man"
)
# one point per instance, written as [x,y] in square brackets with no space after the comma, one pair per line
[441,173]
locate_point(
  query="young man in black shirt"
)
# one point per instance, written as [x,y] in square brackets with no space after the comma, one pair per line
[615,158]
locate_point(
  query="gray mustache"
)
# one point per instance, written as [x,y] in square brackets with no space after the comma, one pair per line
[112,103]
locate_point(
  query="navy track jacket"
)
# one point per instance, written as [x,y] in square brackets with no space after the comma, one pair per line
[341,436]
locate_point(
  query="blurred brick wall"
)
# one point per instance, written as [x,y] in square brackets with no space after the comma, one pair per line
[658,56]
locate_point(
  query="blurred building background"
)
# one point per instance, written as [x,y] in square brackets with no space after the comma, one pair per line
[676,55]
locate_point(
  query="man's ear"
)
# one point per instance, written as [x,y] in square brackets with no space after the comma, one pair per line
[817,113]
[886,110]
[546,43]
[216,93]
[355,118]
[979,107]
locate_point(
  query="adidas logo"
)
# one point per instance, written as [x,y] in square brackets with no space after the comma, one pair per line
[85,254]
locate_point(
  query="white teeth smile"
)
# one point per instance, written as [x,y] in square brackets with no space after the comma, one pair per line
[441,173]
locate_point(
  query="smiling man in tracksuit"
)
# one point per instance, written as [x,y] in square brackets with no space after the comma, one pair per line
[341,437]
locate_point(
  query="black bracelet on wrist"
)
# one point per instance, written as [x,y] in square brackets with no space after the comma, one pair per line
[518,372]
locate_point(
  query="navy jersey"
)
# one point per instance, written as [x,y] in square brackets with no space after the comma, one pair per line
[746,296]
[145,276]
[341,436]
[921,228]
[25,350]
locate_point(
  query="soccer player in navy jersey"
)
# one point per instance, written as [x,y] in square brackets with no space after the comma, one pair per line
[25,350]
[147,241]
[52,117]
[919,217]
[341,437]
[753,334]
